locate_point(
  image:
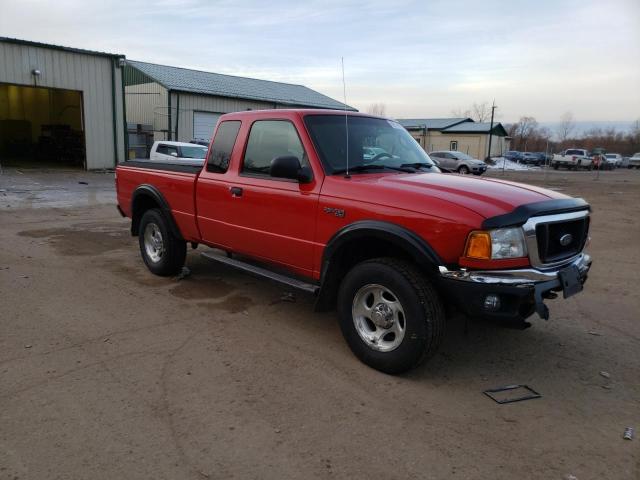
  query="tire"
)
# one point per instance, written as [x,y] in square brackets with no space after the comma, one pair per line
[464,170]
[395,292]
[162,252]
[556,166]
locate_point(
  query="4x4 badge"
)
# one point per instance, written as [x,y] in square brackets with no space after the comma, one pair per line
[338,212]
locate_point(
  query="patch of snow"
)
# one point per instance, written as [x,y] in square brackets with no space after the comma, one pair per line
[509,165]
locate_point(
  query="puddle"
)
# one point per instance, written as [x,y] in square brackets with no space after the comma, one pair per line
[234,304]
[140,274]
[201,288]
[79,242]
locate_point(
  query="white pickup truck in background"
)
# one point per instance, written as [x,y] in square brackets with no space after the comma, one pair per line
[178,153]
[573,158]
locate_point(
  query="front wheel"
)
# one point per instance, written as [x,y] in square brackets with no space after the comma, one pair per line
[390,315]
[464,170]
[162,252]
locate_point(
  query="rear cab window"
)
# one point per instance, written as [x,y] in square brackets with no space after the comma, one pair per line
[222,147]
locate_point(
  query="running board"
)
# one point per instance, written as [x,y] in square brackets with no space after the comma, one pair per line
[262,272]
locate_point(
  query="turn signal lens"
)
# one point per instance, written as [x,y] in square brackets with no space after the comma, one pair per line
[478,245]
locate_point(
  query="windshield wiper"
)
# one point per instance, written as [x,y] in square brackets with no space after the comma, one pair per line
[417,165]
[364,168]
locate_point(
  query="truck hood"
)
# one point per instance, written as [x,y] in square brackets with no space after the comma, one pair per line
[485,197]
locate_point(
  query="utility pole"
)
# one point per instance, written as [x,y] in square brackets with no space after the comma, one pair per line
[493,108]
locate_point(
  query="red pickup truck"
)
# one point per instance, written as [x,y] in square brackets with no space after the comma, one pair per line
[349,207]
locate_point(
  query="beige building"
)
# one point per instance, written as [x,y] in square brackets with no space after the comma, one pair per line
[60,106]
[460,134]
[172,103]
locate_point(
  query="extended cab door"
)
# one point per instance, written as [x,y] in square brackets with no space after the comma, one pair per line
[272,219]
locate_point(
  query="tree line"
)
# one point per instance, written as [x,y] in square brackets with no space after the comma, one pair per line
[527,135]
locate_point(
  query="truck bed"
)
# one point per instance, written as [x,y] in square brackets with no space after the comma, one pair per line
[175,182]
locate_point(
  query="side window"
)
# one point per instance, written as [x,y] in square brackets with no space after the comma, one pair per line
[172,150]
[162,148]
[222,147]
[270,139]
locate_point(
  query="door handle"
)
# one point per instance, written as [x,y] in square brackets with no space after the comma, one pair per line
[236,191]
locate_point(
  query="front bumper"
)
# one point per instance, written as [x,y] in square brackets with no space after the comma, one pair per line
[521,291]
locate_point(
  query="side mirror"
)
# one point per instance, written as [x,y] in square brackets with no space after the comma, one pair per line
[288,166]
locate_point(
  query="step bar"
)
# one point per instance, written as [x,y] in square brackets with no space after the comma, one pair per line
[262,272]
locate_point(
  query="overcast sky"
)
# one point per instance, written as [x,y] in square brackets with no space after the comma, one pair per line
[420,58]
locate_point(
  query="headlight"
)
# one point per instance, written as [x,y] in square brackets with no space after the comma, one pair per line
[496,244]
[507,243]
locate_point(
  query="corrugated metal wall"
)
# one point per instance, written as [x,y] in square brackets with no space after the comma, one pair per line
[90,74]
[206,103]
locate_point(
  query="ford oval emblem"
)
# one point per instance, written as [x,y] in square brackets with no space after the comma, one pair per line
[566,239]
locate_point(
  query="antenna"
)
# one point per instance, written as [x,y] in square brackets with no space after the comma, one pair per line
[346,122]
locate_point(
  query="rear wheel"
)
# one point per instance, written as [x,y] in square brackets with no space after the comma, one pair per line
[162,252]
[390,315]
[555,166]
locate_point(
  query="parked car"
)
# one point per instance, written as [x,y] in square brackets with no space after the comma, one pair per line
[177,153]
[573,159]
[513,155]
[614,158]
[531,159]
[459,162]
[388,244]
[197,141]
[634,162]
[544,157]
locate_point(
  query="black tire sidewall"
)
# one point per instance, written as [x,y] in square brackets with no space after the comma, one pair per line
[172,259]
[418,331]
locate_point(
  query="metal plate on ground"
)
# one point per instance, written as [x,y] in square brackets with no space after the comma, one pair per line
[511,394]
[570,279]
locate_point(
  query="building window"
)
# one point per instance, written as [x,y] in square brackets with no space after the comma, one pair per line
[453,145]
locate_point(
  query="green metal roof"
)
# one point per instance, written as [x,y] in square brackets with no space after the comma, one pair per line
[207,83]
[29,43]
[431,123]
[477,127]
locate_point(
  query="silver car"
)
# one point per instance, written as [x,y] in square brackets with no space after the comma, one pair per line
[459,162]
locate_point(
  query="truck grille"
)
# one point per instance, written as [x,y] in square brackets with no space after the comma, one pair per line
[561,240]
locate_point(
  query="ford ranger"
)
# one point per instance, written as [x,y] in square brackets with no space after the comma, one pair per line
[349,208]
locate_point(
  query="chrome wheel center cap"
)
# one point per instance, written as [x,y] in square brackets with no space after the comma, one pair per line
[382,315]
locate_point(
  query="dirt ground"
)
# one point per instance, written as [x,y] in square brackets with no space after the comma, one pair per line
[108,372]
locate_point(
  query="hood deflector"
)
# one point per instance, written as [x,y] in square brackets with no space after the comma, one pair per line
[522,213]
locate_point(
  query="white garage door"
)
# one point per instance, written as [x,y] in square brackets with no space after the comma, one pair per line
[203,125]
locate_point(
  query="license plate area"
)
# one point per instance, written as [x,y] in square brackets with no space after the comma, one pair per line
[570,280]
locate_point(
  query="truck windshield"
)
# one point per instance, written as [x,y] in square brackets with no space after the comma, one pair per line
[193,152]
[374,143]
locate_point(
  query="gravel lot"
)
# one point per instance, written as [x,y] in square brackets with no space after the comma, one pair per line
[108,372]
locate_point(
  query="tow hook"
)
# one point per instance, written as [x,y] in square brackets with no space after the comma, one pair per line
[542,290]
